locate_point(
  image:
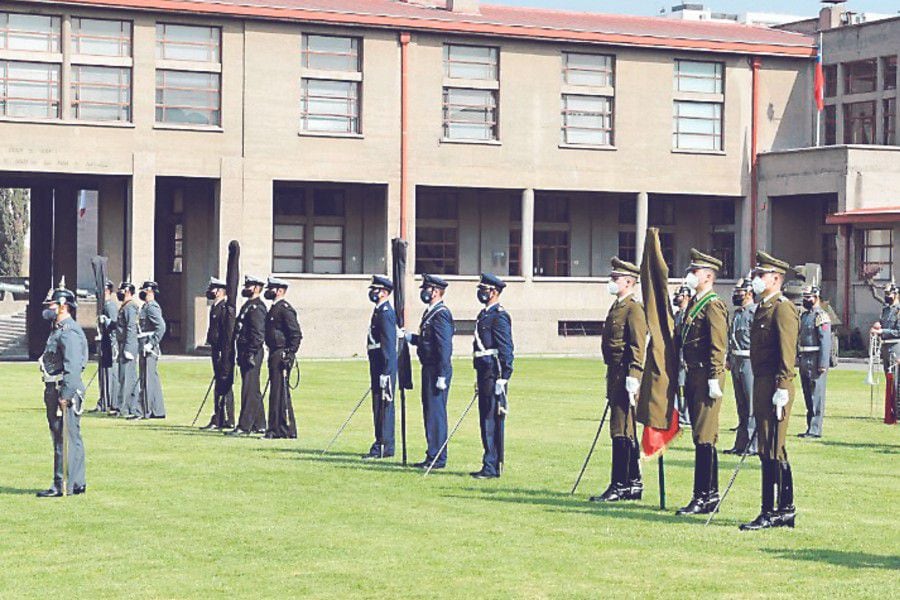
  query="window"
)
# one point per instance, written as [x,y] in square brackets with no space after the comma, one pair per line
[101,93]
[667,245]
[96,37]
[859,123]
[829,257]
[329,53]
[627,246]
[551,210]
[328,249]
[178,244]
[437,233]
[830,72]
[698,77]
[595,70]
[330,84]
[587,120]
[551,253]
[30,33]
[877,252]
[860,76]
[471,89]
[723,248]
[830,125]
[289,228]
[187,97]
[889,122]
[29,90]
[188,43]
[579,328]
[308,230]
[697,126]
[889,67]
[515,236]
[470,114]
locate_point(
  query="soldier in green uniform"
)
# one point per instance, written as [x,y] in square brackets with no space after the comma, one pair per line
[704,343]
[623,345]
[773,354]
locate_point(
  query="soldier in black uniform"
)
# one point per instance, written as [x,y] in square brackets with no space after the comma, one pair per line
[218,336]
[249,335]
[283,338]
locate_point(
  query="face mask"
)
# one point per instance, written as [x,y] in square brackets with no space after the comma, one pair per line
[759,286]
[210,295]
[888,299]
[425,296]
[48,314]
[613,288]
[247,293]
[737,300]
[484,296]
[808,304]
[374,296]
[120,296]
[691,280]
[142,295]
[269,295]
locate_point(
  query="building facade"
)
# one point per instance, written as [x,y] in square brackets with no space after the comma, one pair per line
[533,144]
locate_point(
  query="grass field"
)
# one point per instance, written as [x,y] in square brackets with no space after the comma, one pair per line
[173,512]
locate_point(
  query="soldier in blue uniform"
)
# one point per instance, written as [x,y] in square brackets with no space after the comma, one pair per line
[218,336]
[283,337]
[127,338]
[249,336]
[152,330]
[381,347]
[493,361]
[815,359]
[64,359]
[434,346]
[739,364]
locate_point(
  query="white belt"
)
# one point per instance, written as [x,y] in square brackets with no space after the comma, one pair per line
[809,348]
[741,353]
[374,346]
[52,378]
[482,353]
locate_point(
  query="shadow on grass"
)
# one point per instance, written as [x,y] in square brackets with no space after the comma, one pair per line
[880,448]
[840,558]
[11,491]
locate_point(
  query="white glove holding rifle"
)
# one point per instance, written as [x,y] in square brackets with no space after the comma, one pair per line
[779,401]
[715,390]
[632,386]
[384,381]
[500,387]
[441,383]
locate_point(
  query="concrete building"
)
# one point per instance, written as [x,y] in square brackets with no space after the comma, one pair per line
[535,144]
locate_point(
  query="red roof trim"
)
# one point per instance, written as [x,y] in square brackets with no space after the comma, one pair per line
[423,23]
[889,214]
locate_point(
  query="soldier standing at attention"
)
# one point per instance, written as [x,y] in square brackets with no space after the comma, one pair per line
[773,353]
[815,359]
[703,343]
[153,328]
[623,344]
[434,346]
[127,338]
[381,348]
[739,365]
[65,357]
[493,361]
[218,336]
[109,371]
[283,337]
[680,302]
[249,336]
[888,327]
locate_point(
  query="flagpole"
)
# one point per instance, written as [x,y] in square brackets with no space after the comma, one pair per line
[662,483]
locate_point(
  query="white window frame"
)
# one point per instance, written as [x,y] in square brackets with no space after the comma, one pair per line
[207,67]
[342,76]
[717,97]
[569,89]
[451,83]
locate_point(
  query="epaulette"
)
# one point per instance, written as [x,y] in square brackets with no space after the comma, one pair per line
[501,309]
[822,318]
[782,299]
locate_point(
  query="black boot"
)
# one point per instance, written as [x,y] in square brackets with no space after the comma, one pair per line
[766,511]
[617,489]
[786,513]
[635,485]
[701,482]
[712,490]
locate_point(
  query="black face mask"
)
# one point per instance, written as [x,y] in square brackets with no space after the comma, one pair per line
[808,304]
[425,296]
[247,293]
[269,295]
[142,295]
[120,296]
[484,296]
[737,300]
[210,295]
[888,299]
[374,296]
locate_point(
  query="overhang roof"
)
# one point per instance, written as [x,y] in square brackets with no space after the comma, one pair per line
[860,216]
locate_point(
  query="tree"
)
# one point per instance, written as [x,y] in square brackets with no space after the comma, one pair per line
[14,222]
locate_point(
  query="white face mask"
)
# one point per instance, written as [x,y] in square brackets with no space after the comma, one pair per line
[613,288]
[691,280]
[759,286]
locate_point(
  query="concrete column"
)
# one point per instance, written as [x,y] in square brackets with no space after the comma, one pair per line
[141,218]
[643,208]
[256,216]
[896,140]
[527,261]
[839,107]
[230,208]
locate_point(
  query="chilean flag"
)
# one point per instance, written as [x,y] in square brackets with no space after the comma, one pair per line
[82,203]
[819,90]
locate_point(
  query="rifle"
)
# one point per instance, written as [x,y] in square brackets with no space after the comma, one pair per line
[346,422]
[590,453]
[455,427]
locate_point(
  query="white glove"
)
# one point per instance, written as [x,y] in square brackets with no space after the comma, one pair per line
[441,383]
[408,337]
[148,348]
[779,401]
[500,387]
[128,355]
[384,381]
[632,385]
[104,320]
[715,391]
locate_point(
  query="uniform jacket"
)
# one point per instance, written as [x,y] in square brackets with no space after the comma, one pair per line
[493,331]
[111,311]
[815,331]
[127,328]
[282,328]
[890,334]
[625,337]
[704,334]
[434,342]
[773,340]
[250,327]
[381,341]
[66,354]
[221,326]
[739,330]
[152,322]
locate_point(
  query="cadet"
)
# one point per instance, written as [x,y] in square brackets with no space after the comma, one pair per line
[773,352]
[381,347]
[153,328]
[493,360]
[815,359]
[623,344]
[218,336]
[739,365]
[704,342]
[283,337]
[680,301]
[249,335]
[888,327]
[109,371]
[65,357]
[434,346]
[127,338]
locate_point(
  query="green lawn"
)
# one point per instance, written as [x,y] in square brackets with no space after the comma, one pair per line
[173,512]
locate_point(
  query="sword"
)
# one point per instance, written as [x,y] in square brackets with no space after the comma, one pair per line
[65,447]
[206,397]
[347,422]
[449,437]
[590,453]
[734,475]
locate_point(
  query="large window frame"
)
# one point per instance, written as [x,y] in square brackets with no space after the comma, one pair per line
[101,78]
[587,100]
[552,243]
[698,112]
[875,251]
[437,233]
[471,100]
[179,102]
[860,76]
[859,126]
[326,85]
[306,236]
[31,66]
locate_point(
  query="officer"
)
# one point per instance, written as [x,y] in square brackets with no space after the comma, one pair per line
[434,346]
[623,343]
[739,365]
[108,350]
[381,347]
[64,359]
[153,328]
[493,360]
[249,335]
[888,327]
[283,337]
[679,302]
[218,336]
[704,343]
[129,404]
[773,353]
[815,359]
